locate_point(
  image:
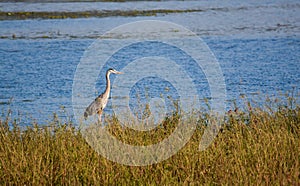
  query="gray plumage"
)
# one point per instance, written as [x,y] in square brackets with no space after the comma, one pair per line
[97,106]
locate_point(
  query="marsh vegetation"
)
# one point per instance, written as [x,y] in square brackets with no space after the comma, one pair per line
[254,147]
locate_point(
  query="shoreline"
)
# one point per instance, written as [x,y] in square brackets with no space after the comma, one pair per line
[88,14]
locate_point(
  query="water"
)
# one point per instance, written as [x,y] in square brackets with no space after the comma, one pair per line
[257,44]
[150,5]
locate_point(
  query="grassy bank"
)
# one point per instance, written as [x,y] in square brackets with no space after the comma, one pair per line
[260,147]
[86,14]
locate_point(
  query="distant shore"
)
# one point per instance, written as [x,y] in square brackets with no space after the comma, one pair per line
[86,14]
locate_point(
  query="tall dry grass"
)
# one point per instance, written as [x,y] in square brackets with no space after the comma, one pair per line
[254,147]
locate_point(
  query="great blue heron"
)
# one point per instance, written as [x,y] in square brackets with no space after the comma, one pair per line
[97,106]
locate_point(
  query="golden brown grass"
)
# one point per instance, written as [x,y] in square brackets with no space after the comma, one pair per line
[255,147]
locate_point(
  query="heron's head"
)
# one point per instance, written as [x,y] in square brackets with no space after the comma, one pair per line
[111,70]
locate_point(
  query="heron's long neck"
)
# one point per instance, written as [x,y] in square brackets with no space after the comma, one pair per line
[107,90]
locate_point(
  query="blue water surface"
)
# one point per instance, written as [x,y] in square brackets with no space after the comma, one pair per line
[257,44]
[37,75]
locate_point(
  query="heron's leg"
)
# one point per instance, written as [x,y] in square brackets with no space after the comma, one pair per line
[99,116]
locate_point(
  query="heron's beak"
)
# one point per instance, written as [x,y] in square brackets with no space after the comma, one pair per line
[117,72]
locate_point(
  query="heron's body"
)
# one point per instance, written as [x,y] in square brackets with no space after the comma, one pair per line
[97,106]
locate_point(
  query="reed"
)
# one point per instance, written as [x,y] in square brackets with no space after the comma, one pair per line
[257,146]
